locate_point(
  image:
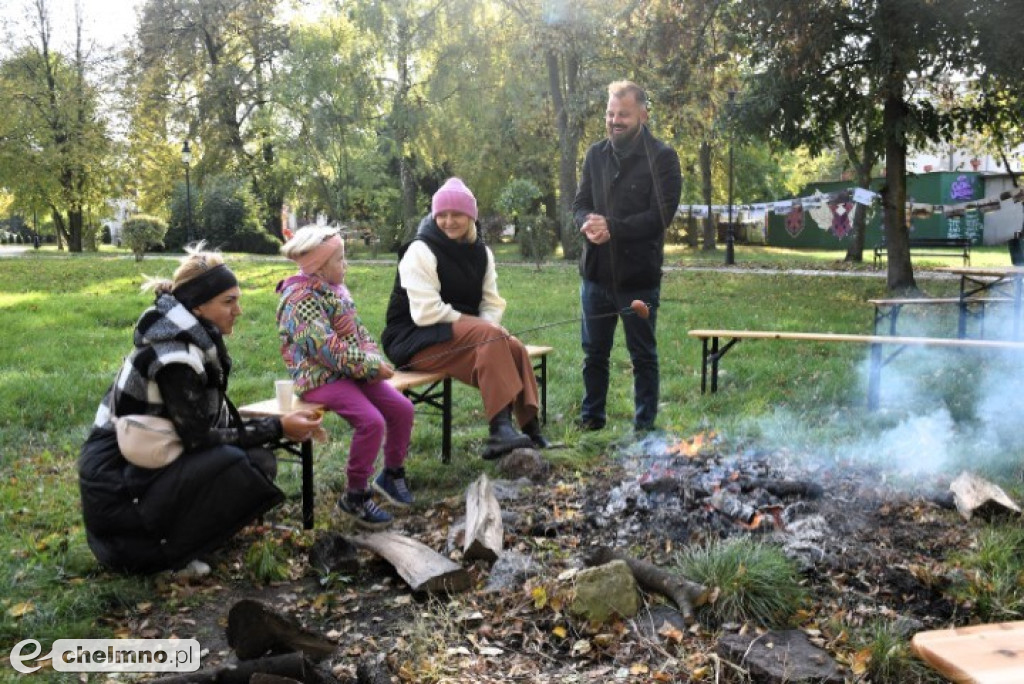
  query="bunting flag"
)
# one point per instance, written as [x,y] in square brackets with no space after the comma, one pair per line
[815,205]
[795,220]
[841,212]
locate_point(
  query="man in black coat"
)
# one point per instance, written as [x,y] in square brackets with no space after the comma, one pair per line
[628,194]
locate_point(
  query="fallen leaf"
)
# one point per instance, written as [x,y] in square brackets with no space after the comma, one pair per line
[20,609]
[581,647]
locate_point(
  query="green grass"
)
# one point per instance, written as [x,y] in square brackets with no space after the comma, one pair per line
[68,322]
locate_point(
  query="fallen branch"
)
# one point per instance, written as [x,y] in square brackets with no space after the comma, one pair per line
[684,593]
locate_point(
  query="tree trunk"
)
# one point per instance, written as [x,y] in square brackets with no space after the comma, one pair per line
[75,230]
[710,239]
[569,134]
[894,198]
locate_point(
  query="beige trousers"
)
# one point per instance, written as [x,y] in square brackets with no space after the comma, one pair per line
[483,355]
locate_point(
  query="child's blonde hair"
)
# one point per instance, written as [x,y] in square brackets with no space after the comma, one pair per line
[306,239]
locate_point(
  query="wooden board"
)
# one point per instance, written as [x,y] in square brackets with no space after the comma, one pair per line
[979,654]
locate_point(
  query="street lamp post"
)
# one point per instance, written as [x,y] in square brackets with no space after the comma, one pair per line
[186,159]
[730,237]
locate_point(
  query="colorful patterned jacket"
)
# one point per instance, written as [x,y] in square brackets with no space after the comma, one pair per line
[322,338]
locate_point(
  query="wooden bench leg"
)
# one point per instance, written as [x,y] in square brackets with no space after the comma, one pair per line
[874,376]
[540,369]
[307,484]
[446,421]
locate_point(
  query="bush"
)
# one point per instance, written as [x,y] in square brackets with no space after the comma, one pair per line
[142,232]
[253,242]
[537,237]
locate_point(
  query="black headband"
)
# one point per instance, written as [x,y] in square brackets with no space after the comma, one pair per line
[205,286]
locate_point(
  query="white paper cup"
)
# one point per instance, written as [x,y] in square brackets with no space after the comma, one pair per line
[285,390]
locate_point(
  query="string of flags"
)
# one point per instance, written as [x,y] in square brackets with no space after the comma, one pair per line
[843,203]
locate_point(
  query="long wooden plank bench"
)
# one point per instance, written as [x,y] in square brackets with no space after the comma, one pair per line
[969,308]
[423,389]
[714,349]
[948,246]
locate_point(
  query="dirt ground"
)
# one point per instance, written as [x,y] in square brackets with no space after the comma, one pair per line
[867,550]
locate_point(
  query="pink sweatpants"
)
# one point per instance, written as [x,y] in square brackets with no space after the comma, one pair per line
[374,410]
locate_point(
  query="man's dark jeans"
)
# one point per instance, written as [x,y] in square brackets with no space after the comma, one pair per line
[600,304]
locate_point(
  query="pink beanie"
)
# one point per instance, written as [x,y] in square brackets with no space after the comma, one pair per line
[454,196]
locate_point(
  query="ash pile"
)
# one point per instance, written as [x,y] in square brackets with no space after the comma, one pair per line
[687,491]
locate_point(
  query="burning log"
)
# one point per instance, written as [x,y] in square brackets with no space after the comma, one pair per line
[255,630]
[484,530]
[294,666]
[681,591]
[785,488]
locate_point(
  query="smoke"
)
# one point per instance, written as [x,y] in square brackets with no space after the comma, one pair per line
[941,410]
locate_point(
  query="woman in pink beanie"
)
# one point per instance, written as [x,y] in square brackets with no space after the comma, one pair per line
[445,315]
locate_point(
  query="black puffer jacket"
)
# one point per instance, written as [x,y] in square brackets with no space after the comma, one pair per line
[141,520]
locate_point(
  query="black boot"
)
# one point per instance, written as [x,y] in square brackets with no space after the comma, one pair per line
[532,430]
[504,437]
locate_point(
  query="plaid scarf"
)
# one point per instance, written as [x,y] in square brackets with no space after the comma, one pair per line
[166,333]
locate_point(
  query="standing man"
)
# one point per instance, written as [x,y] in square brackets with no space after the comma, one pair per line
[628,194]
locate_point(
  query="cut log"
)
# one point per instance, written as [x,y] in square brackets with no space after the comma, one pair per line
[423,569]
[255,630]
[973,494]
[484,531]
[291,665]
[681,591]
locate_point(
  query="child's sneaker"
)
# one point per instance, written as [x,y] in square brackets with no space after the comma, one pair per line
[391,484]
[362,507]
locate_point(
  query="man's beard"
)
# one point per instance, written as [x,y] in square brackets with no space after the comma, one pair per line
[623,137]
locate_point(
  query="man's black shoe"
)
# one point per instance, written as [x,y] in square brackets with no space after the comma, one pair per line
[590,424]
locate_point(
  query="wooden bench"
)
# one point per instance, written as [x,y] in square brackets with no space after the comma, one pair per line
[960,247]
[714,349]
[430,389]
[971,307]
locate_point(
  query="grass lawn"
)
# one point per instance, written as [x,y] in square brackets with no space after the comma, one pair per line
[68,322]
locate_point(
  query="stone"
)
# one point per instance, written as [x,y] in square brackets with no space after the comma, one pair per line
[605,591]
[510,570]
[528,463]
[332,553]
[782,656]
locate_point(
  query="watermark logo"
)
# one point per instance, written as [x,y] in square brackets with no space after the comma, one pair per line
[109,655]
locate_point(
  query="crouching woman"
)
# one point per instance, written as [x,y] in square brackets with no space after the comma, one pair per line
[149,519]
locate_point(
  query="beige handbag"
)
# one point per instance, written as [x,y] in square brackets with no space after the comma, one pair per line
[145,441]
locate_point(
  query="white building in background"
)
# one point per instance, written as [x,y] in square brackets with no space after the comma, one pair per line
[123,208]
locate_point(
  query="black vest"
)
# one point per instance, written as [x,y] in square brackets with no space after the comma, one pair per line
[461,268]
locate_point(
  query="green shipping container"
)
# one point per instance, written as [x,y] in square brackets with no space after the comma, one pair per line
[830,225]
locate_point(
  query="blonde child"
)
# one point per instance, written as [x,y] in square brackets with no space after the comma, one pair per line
[335,361]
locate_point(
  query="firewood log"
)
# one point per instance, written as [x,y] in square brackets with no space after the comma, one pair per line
[484,531]
[291,665]
[681,591]
[255,630]
[423,569]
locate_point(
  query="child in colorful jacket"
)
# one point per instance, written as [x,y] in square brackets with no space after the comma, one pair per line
[335,361]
